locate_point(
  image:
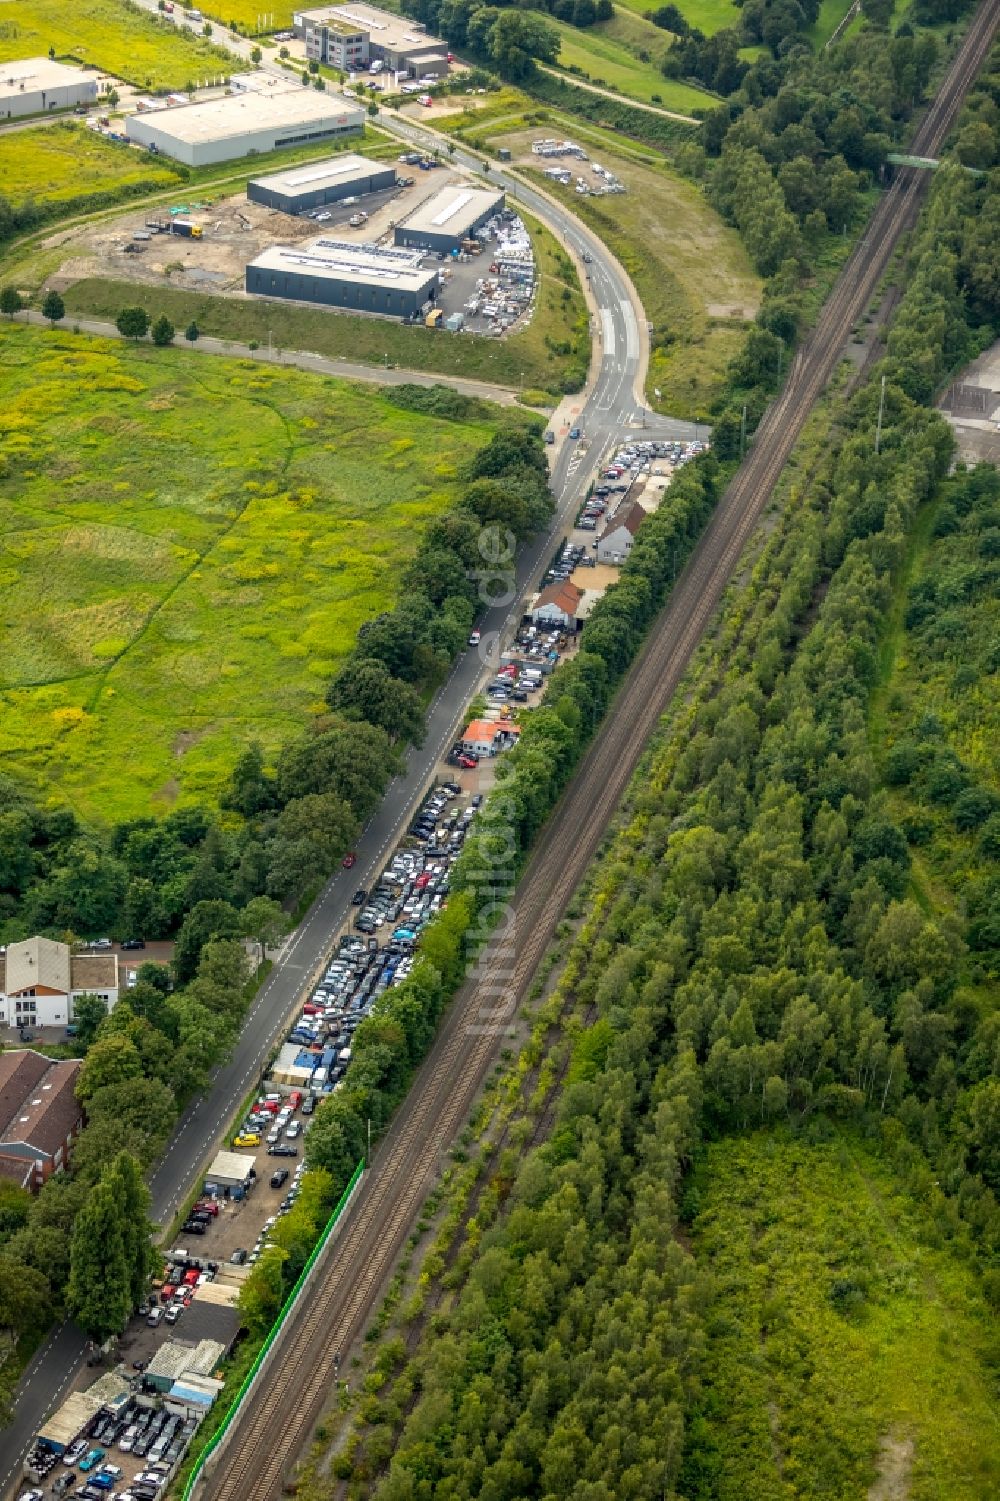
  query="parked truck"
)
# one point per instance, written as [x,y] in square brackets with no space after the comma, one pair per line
[187,229]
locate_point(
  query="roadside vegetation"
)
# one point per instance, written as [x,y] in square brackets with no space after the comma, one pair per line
[218,877]
[166,608]
[692,274]
[51,163]
[758,975]
[148,51]
[551,354]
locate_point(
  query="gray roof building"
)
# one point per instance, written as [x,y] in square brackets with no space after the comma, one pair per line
[448,217]
[303,188]
[345,274]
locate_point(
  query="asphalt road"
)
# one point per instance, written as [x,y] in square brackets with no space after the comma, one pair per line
[610,408]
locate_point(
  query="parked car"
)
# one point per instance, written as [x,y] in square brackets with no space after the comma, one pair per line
[279,1177]
[76,1451]
[238,1257]
[173,1313]
[92,1460]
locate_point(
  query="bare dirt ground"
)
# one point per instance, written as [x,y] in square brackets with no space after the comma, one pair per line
[450,104]
[894,1461]
[235,231]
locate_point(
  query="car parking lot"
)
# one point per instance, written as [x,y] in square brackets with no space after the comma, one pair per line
[126,1453]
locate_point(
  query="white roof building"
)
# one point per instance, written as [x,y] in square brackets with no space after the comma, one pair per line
[219,130]
[36,85]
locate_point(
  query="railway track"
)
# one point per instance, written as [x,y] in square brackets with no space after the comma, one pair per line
[278,1416]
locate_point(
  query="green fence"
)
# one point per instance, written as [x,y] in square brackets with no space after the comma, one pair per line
[287,1306]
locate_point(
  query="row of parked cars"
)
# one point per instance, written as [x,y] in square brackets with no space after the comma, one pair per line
[154,1435]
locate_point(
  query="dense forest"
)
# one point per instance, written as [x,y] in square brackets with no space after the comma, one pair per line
[757,1254]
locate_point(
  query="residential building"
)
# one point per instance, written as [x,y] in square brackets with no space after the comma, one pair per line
[36,85]
[482,737]
[40,1116]
[615,542]
[558,605]
[40,981]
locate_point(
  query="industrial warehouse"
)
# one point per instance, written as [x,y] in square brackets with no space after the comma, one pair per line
[350,37]
[239,124]
[304,188]
[36,85]
[449,218]
[342,274]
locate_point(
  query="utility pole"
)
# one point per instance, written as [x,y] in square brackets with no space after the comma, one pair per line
[881,410]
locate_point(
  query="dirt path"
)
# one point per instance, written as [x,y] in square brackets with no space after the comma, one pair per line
[593,88]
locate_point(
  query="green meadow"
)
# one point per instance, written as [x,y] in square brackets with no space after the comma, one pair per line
[187,549]
[123,40]
[54,162]
[850,1350]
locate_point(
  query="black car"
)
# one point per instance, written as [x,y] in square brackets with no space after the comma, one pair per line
[308,1104]
[133,943]
[359,898]
[194,1227]
[282,1149]
[238,1257]
[279,1178]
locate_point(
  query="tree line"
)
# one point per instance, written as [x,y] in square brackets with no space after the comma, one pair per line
[755,956]
[214,880]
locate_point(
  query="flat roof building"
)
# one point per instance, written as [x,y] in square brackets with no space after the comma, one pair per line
[351,36]
[303,188]
[344,274]
[36,85]
[219,130]
[448,217]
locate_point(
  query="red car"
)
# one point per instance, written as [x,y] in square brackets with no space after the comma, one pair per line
[295,1098]
[468,762]
[348,861]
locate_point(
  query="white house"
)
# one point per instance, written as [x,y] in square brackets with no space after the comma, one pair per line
[558,605]
[40,980]
[615,542]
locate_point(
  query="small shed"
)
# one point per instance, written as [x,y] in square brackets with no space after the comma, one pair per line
[192,1395]
[231,1170]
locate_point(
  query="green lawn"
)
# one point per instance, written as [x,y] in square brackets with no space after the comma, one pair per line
[831,13]
[105,33]
[690,270]
[610,64]
[844,1339]
[550,354]
[56,162]
[708,16]
[187,549]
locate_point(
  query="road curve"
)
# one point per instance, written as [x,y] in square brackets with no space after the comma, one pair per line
[278,1417]
[608,407]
